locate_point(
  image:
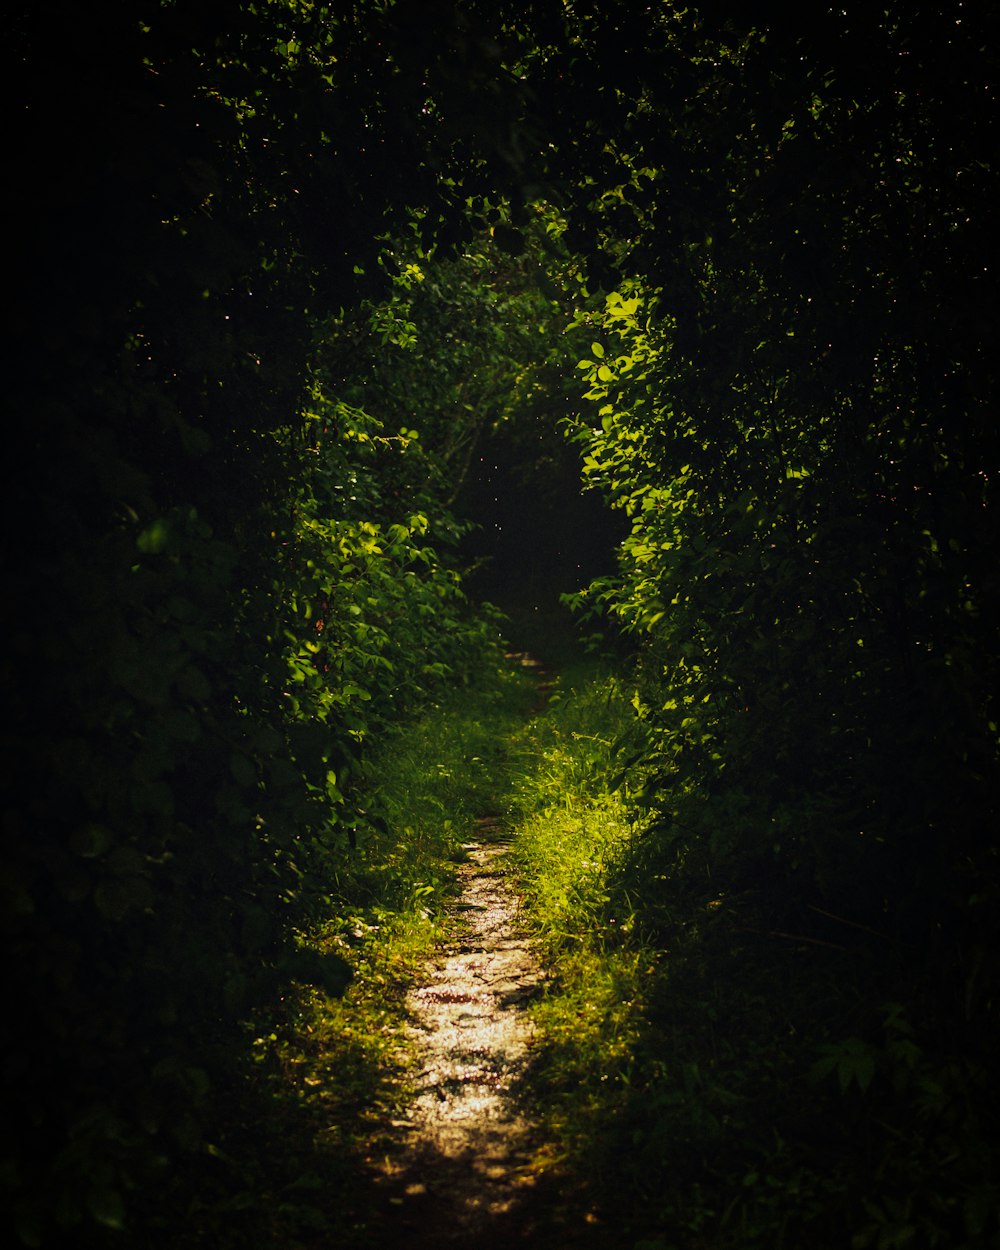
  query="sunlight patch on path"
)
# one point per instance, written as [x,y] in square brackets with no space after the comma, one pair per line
[466,1158]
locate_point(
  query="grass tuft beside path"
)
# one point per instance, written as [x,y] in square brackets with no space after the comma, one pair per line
[690,1077]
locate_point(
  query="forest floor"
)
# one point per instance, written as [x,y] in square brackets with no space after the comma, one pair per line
[547,1044]
[425,1107]
[461,1166]
[461,1171]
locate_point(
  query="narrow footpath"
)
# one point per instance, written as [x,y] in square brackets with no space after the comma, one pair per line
[460,1172]
[462,1169]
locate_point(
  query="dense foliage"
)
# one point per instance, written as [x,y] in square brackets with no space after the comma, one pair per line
[280,279]
[792,404]
[227,576]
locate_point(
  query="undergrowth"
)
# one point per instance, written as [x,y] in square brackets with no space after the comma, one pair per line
[328,1072]
[702,1079]
[574,828]
[716,1081]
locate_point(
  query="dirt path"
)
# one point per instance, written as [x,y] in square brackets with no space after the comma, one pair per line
[458,1170]
[461,1173]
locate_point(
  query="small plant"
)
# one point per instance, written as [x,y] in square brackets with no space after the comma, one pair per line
[332,1072]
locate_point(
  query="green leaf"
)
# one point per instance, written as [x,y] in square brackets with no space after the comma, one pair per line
[107,1207]
[154,538]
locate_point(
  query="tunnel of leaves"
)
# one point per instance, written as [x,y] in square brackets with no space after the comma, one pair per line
[332,320]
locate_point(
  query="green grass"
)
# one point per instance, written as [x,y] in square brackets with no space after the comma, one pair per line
[657,1042]
[675,1072]
[573,830]
[324,1075]
[711,1084]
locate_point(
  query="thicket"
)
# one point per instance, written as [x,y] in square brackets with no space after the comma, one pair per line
[791,392]
[705,1077]
[233,462]
[230,575]
[327,1077]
